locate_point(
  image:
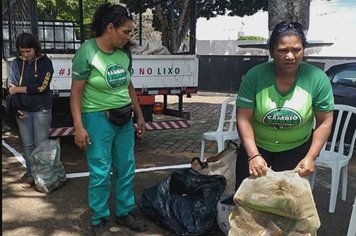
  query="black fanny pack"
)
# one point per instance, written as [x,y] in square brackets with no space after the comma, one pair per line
[120,116]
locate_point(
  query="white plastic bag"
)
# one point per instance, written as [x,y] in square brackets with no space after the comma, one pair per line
[224,207]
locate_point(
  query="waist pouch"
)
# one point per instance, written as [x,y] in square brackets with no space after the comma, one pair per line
[120,116]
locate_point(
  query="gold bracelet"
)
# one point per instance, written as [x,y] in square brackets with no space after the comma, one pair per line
[250,158]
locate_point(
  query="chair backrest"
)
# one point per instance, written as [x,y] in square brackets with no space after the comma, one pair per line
[227,115]
[344,124]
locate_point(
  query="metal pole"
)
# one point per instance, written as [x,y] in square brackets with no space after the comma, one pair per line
[172,40]
[10,31]
[81,24]
[33,17]
[193,27]
[140,23]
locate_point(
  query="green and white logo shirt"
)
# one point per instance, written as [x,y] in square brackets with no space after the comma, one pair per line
[116,76]
[284,121]
[107,77]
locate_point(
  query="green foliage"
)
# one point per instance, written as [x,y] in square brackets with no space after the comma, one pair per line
[211,8]
[172,18]
[66,9]
[251,38]
[246,7]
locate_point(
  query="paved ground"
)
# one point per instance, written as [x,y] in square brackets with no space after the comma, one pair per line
[65,212]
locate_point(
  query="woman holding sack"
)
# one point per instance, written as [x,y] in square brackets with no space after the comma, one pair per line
[102,101]
[276,106]
[31,98]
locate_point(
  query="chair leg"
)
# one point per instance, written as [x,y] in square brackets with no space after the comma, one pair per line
[221,144]
[352,226]
[202,149]
[335,179]
[312,178]
[344,182]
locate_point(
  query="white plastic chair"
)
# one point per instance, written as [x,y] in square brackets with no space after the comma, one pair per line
[336,155]
[226,128]
[352,226]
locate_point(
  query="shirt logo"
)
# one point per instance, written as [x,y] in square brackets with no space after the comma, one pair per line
[282,118]
[116,76]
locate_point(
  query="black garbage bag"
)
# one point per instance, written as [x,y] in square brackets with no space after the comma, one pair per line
[47,169]
[184,202]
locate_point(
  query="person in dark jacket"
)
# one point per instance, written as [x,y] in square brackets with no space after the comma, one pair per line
[31,98]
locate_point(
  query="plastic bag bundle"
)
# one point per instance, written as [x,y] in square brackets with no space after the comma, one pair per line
[184,202]
[47,169]
[280,203]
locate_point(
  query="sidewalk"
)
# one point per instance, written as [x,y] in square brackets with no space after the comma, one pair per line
[65,212]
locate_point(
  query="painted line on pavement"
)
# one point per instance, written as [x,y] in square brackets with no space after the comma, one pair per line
[20,158]
[163,168]
[18,155]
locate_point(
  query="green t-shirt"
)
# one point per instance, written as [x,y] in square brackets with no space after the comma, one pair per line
[107,77]
[284,121]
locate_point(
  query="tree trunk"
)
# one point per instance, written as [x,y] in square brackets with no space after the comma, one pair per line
[174,30]
[289,11]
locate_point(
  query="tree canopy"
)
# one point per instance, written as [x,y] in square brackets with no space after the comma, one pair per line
[171,17]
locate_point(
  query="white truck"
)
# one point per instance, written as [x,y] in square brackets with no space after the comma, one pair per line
[153,75]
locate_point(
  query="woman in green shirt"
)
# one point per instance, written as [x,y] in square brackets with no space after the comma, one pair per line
[276,105]
[102,100]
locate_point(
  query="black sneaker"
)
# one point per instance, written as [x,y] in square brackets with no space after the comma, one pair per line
[102,229]
[132,222]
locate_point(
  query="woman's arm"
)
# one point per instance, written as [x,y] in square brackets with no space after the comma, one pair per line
[81,137]
[137,109]
[13,89]
[40,83]
[321,134]
[14,78]
[257,165]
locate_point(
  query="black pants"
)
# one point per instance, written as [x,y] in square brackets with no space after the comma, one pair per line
[277,161]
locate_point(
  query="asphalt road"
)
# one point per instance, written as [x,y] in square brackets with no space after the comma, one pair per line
[65,211]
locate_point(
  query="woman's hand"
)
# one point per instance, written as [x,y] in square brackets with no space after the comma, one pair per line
[141,126]
[12,89]
[20,114]
[81,138]
[257,166]
[305,167]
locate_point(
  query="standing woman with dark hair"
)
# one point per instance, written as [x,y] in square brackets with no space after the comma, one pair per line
[102,101]
[276,106]
[29,85]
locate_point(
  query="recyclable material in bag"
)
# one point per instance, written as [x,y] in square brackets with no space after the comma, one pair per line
[225,207]
[184,202]
[279,203]
[224,163]
[47,169]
